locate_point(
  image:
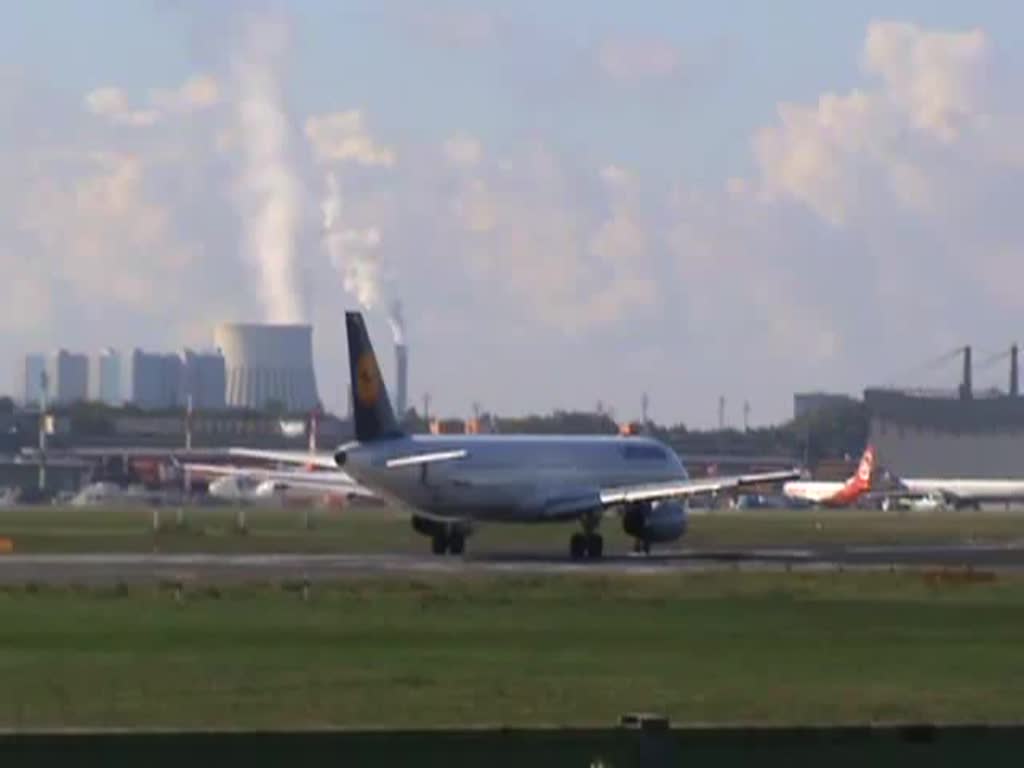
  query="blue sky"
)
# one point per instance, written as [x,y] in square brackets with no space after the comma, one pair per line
[619,174]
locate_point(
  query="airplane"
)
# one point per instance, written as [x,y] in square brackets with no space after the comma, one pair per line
[104,493]
[267,486]
[835,494]
[957,493]
[454,482]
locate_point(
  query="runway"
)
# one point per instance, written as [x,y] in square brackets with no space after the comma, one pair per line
[60,569]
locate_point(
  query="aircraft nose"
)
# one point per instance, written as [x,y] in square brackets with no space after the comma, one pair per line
[340,457]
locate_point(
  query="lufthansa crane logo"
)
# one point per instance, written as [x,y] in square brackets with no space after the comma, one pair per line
[367,380]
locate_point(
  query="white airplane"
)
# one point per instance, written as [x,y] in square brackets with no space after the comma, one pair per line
[962,492]
[453,482]
[835,494]
[103,493]
[274,487]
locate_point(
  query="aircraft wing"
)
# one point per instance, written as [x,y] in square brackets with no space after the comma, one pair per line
[679,489]
[298,458]
[326,460]
[322,477]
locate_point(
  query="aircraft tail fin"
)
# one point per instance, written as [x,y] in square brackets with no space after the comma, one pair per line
[371,407]
[861,480]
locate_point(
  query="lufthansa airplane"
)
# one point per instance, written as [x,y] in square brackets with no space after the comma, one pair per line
[453,482]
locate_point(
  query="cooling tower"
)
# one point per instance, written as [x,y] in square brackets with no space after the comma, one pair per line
[268,364]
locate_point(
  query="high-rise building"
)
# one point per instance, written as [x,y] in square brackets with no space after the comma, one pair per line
[204,379]
[155,380]
[68,377]
[105,377]
[35,379]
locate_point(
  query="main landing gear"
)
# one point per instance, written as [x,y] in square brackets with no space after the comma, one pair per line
[445,537]
[642,546]
[588,543]
[449,540]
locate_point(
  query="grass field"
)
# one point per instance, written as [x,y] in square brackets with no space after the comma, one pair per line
[383,530]
[715,647]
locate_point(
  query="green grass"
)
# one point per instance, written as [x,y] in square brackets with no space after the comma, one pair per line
[715,647]
[362,529]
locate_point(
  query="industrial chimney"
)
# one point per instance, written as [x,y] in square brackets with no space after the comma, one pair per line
[1014,372]
[397,321]
[967,387]
[402,376]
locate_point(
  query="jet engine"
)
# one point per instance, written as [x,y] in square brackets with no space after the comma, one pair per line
[659,522]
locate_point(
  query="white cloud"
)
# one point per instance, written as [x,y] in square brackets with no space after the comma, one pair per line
[937,77]
[553,240]
[111,103]
[342,137]
[199,92]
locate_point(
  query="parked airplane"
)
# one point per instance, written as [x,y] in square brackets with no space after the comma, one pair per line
[835,494]
[453,482]
[267,486]
[960,492]
[104,493]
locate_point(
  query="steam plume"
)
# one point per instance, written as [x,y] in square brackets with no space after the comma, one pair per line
[355,253]
[269,192]
[397,319]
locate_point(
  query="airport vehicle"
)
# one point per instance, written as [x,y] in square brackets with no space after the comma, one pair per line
[932,502]
[835,494]
[453,482]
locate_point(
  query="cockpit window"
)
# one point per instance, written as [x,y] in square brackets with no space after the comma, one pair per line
[644,453]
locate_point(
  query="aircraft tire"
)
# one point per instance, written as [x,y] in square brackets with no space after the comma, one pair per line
[456,543]
[578,546]
[439,543]
[595,546]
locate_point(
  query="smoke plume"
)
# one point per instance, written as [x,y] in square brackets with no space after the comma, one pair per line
[397,320]
[355,253]
[269,191]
